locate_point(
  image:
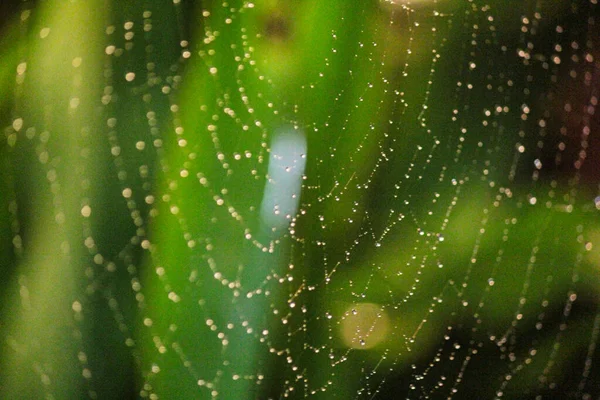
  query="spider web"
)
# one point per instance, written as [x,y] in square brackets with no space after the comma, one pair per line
[365,200]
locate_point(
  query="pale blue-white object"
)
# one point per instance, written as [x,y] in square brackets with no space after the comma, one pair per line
[287,162]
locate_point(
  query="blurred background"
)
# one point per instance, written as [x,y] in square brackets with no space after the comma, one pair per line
[290,199]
